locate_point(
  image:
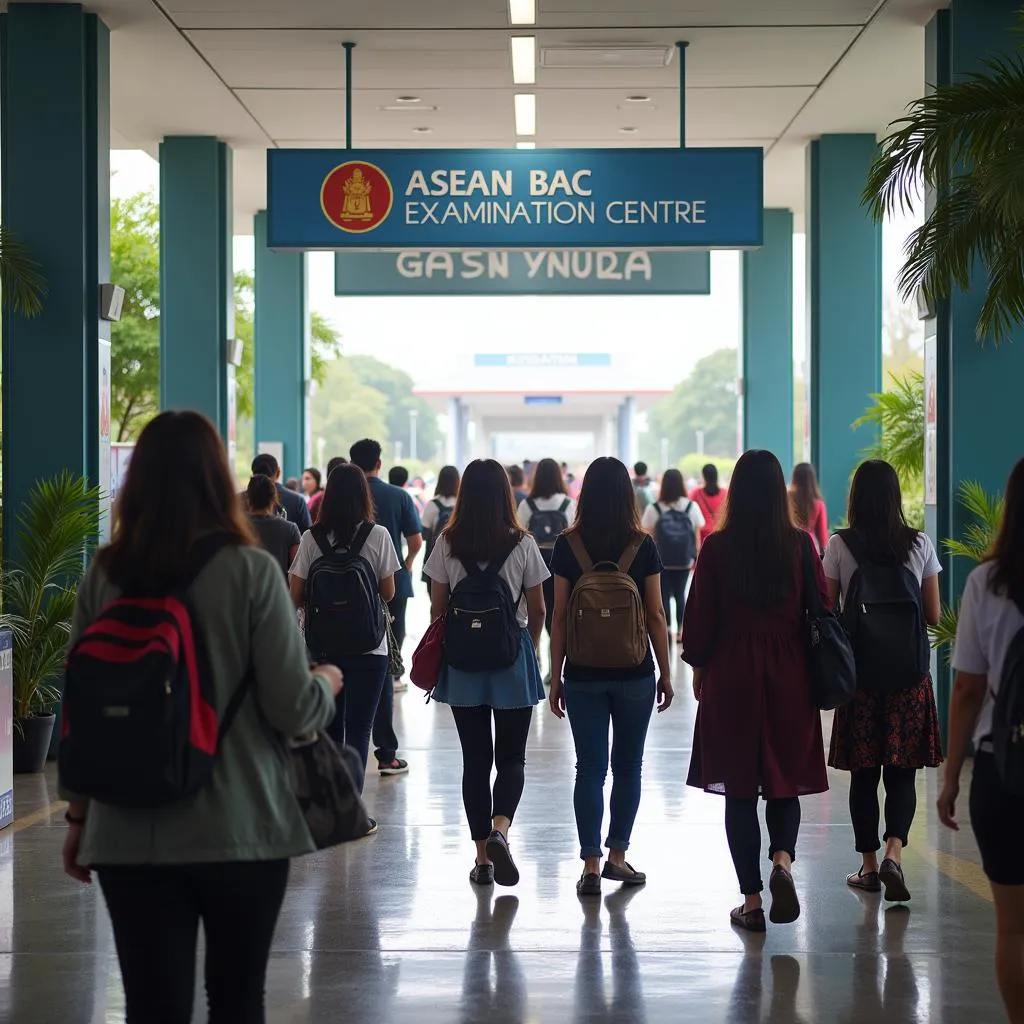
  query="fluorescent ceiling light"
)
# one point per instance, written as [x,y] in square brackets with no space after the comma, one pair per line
[522,12]
[524,59]
[526,113]
[526,145]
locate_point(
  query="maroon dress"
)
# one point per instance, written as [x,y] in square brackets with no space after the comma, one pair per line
[758,731]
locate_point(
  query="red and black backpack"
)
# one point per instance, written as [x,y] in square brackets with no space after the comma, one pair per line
[139,724]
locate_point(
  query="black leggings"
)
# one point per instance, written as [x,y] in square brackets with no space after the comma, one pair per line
[743,831]
[900,805]
[673,585]
[549,602]
[155,912]
[506,753]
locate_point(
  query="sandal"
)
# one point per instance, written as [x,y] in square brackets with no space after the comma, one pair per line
[785,902]
[627,874]
[866,881]
[890,874]
[751,921]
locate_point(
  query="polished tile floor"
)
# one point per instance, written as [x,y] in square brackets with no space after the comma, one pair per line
[389,930]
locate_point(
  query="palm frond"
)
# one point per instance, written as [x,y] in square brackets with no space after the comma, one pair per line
[22,285]
[944,634]
[898,417]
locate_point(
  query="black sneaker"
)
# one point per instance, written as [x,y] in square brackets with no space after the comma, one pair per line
[505,870]
[396,766]
[372,830]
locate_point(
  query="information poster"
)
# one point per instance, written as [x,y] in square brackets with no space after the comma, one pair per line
[6,727]
[104,439]
[120,456]
[232,416]
[931,422]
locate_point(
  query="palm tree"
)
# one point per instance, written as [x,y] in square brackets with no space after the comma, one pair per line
[966,142]
[22,286]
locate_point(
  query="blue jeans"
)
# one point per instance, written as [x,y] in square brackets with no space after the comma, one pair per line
[626,704]
[356,704]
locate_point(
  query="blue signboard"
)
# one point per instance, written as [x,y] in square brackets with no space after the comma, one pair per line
[520,199]
[542,399]
[522,272]
[532,359]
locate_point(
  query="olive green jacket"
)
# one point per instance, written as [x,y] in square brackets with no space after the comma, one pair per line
[247,810]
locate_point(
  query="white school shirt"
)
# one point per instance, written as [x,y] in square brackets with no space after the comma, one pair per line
[523,569]
[431,513]
[378,550]
[552,504]
[987,625]
[840,565]
[649,521]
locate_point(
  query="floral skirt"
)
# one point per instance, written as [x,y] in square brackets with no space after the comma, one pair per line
[878,729]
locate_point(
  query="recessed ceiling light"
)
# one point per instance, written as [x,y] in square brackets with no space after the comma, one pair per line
[638,99]
[522,12]
[423,131]
[526,113]
[524,59]
[407,99]
[628,130]
[526,145]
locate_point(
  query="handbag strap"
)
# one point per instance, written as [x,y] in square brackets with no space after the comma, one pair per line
[812,598]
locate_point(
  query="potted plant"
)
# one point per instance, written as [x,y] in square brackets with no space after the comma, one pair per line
[57,523]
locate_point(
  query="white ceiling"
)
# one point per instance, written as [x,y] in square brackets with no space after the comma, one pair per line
[262,73]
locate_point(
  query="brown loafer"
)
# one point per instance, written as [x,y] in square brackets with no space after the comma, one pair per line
[751,921]
[890,874]
[867,881]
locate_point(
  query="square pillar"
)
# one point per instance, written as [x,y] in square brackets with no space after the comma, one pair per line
[844,266]
[625,448]
[55,150]
[197,302]
[282,356]
[767,356]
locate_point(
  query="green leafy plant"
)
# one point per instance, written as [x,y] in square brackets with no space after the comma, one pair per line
[22,285]
[964,141]
[898,416]
[57,523]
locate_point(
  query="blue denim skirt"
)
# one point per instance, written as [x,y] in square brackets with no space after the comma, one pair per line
[518,686]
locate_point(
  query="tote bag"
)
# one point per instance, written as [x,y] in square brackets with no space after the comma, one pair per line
[327,781]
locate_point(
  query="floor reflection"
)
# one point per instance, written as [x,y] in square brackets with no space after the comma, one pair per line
[493,982]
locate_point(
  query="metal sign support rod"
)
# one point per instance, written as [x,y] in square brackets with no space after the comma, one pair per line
[681,47]
[349,47]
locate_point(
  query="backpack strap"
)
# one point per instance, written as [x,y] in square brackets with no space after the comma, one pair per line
[577,547]
[440,504]
[812,599]
[689,505]
[564,507]
[629,555]
[235,705]
[531,505]
[657,508]
[359,539]
[319,534]
[854,545]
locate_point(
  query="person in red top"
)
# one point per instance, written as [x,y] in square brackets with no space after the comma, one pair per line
[809,511]
[758,731]
[709,499]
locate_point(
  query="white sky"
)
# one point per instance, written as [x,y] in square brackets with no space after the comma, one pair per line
[669,333]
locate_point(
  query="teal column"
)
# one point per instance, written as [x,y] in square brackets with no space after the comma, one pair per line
[55,150]
[197,313]
[844,262]
[980,415]
[767,357]
[282,356]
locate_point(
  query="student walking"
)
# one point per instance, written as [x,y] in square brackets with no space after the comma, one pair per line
[221,856]
[887,576]
[676,523]
[710,499]
[487,575]
[608,614]
[277,535]
[344,568]
[986,711]
[438,511]
[312,483]
[809,510]
[758,732]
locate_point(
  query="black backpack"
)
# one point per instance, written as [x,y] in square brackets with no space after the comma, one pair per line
[547,526]
[883,613]
[344,615]
[1008,717]
[444,513]
[481,629]
[139,724]
[675,537]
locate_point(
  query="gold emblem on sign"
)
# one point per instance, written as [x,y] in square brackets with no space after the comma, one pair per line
[357,205]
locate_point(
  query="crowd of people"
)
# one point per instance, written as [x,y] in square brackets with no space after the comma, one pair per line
[616,571]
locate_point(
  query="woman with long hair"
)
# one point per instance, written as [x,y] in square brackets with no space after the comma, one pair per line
[482,533]
[989,627]
[547,512]
[809,512]
[710,499]
[676,523]
[758,732]
[222,856]
[607,533]
[277,535]
[346,511]
[438,511]
[886,731]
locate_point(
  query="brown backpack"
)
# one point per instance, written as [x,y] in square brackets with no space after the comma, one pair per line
[607,625]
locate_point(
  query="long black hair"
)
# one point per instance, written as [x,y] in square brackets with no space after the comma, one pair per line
[346,503]
[484,525]
[607,519]
[710,475]
[547,480]
[447,482]
[672,487]
[758,529]
[1008,550]
[804,491]
[875,511]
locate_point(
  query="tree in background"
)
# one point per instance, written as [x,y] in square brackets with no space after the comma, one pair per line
[902,342]
[705,401]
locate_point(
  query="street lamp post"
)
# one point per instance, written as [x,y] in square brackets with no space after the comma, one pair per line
[413,423]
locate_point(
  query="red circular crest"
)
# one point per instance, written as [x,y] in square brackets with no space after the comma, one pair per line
[356,196]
